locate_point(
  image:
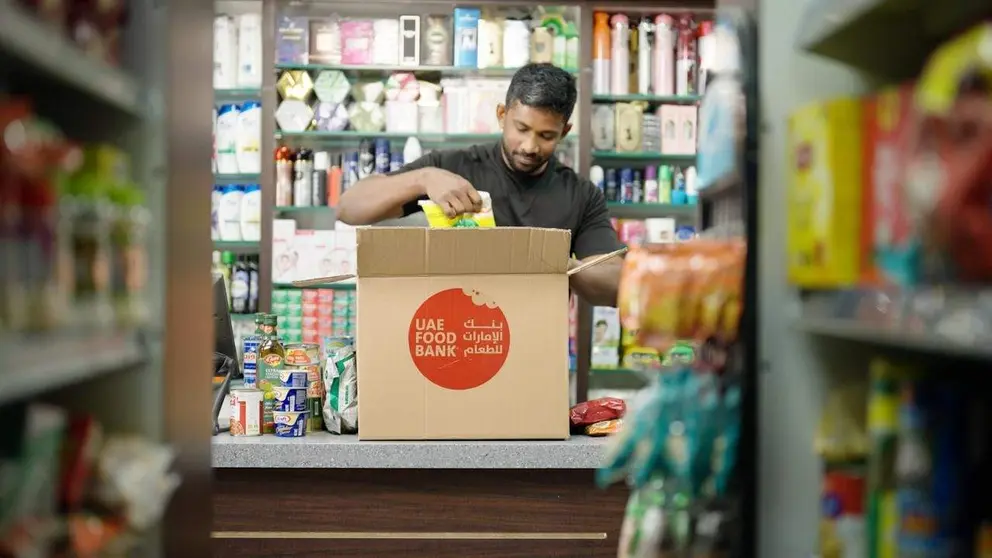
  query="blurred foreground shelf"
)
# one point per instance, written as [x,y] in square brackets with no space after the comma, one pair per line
[37,364]
[939,321]
[890,38]
[32,46]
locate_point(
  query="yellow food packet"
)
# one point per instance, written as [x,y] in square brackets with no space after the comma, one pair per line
[438,220]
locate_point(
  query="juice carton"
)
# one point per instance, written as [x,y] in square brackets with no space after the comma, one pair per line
[824,194]
[887,239]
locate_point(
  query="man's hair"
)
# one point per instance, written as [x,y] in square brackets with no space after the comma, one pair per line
[543,86]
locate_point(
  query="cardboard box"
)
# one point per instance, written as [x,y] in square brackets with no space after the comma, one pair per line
[462,333]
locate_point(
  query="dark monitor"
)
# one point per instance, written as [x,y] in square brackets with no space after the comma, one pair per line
[224,342]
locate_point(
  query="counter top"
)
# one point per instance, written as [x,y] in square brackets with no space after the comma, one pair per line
[328,451]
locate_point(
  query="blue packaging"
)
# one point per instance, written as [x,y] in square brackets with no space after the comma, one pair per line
[289,399]
[684,233]
[290,425]
[381,156]
[249,359]
[626,185]
[395,161]
[349,176]
[612,187]
[292,40]
[466,21]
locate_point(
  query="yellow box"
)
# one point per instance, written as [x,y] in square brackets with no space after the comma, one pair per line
[824,194]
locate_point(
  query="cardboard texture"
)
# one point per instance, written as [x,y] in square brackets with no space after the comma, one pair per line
[462,333]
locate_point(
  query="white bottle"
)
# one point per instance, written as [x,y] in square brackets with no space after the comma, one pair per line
[230,212]
[620,57]
[597,177]
[249,51]
[516,43]
[412,150]
[225,53]
[645,32]
[651,185]
[227,139]
[691,194]
[248,142]
[215,198]
[251,213]
[664,55]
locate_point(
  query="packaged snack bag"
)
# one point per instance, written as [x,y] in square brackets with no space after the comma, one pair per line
[438,220]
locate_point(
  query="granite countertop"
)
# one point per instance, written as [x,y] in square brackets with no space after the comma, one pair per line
[328,451]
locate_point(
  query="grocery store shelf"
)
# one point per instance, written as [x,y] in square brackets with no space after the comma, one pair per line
[243,247]
[887,37]
[40,363]
[649,210]
[45,52]
[236,178]
[640,156]
[335,286]
[443,70]
[307,209]
[328,451]
[668,99]
[351,136]
[956,322]
[242,317]
[241,94]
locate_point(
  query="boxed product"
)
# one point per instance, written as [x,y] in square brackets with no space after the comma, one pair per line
[464,321]
[605,337]
[824,194]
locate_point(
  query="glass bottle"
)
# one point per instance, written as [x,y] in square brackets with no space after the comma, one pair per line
[271,358]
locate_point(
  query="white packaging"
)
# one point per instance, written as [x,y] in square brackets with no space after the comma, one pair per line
[284,255]
[249,51]
[455,105]
[340,377]
[226,138]
[620,58]
[230,212]
[401,117]
[664,55]
[386,42]
[213,138]
[644,50]
[516,43]
[412,150]
[249,138]
[215,197]
[659,230]
[225,52]
[490,44]
[251,213]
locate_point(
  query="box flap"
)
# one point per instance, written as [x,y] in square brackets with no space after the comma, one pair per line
[418,251]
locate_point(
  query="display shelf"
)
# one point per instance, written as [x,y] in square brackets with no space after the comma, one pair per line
[236,178]
[890,38]
[307,209]
[667,99]
[940,321]
[353,136]
[44,52]
[335,286]
[37,364]
[443,70]
[240,246]
[649,210]
[243,317]
[237,94]
[641,156]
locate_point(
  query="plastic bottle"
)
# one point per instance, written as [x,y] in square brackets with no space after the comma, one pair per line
[678,187]
[516,43]
[240,287]
[318,179]
[249,50]
[645,47]
[665,184]
[251,213]
[685,59]
[597,177]
[215,197]
[227,139]
[284,177]
[542,46]
[620,55]
[706,45]
[412,150]
[230,212]
[601,54]
[248,141]
[651,185]
[918,524]
[571,47]
[691,195]
[559,52]
[664,55]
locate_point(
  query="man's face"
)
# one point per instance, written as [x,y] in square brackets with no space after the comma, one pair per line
[530,135]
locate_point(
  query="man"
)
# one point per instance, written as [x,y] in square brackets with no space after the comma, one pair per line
[527,185]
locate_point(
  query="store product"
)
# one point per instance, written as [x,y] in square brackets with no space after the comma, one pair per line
[248,138]
[250,213]
[302,178]
[128,232]
[604,428]
[597,410]
[226,138]
[249,353]
[664,55]
[437,47]
[491,40]
[325,40]
[249,50]
[628,126]
[686,70]
[437,219]
[246,412]
[466,35]
[409,46]
[541,45]
[225,52]
[601,72]
[842,523]
[645,49]
[230,212]
[620,55]
[340,408]
[605,337]
[289,399]
[396,41]
[271,358]
[289,424]
[292,40]
[825,194]
[357,36]
[706,46]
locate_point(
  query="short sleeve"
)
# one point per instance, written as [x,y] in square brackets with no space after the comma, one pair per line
[595,234]
[432,159]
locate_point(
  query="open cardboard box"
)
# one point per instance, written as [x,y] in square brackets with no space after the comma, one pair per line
[462,333]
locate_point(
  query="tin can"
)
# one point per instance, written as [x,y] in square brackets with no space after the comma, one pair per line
[303,353]
[246,412]
[381,155]
[612,187]
[290,424]
[249,359]
[315,414]
[289,399]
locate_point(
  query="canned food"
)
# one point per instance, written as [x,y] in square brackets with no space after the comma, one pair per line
[246,412]
[294,376]
[315,417]
[296,354]
[311,350]
[287,399]
[290,425]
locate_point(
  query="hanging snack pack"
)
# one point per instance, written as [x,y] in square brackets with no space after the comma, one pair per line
[437,219]
[340,407]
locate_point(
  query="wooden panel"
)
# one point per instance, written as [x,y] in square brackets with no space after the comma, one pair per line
[313,503]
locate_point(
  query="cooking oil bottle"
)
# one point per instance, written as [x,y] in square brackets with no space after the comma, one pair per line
[271,358]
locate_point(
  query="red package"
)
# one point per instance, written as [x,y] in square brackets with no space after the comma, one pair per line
[597,410]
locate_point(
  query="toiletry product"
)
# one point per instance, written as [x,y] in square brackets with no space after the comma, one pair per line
[664,184]
[490,43]
[215,199]
[225,52]
[645,38]
[318,178]
[650,185]
[670,117]
[541,46]
[691,194]
[249,50]
[294,116]
[249,138]
[559,50]
[706,46]
[302,178]
[412,150]
[251,213]
[230,212]
[436,48]
[597,177]
[284,176]
[628,127]
[409,48]
[620,55]
[601,54]
[466,45]
[356,41]
[516,43]
[292,40]
[331,86]
[325,40]
[603,127]
[571,47]
[227,139]
[664,55]
[685,61]
[387,41]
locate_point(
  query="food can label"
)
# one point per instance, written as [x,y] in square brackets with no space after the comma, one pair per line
[247,415]
[268,371]
[249,359]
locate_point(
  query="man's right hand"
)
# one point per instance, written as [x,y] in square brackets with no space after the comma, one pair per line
[452,193]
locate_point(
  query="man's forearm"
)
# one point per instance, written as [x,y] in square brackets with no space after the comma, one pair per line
[376,198]
[598,284]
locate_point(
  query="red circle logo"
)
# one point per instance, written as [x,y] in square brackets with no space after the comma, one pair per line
[459,339]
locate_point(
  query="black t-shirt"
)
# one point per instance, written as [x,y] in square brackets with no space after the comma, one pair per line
[557,198]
